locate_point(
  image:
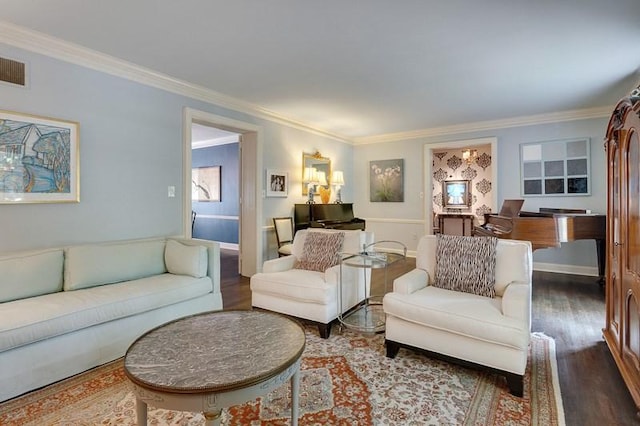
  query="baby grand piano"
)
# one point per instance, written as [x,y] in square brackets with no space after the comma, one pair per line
[329,216]
[548,228]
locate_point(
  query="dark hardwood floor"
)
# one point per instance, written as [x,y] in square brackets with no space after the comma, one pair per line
[569,308]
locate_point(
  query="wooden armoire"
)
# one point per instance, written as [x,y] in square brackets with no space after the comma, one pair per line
[622,328]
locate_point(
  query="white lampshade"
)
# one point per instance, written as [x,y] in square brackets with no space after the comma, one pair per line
[337,178]
[321,178]
[310,175]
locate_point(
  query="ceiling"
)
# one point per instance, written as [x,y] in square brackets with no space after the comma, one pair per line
[203,135]
[362,69]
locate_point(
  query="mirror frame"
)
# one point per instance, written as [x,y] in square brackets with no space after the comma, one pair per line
[313,160]
[456,194]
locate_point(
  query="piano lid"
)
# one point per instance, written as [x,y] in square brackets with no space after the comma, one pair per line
[335,212]
[511,208]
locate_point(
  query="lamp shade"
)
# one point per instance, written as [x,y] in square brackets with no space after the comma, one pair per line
[310,174]
[337,178]
[321,178]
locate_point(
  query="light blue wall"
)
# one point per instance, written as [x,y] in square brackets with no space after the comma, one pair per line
[218,221]
[130,152]
[581,253]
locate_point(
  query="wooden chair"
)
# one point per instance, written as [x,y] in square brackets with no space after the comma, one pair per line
[284,234]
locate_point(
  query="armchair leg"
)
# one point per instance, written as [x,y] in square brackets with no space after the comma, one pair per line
[324,330]
[392,348]
[516,384]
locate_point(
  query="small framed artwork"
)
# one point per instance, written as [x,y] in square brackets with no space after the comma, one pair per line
[386,180]
[39,159]
[277,183]
[456,194]
[205,183]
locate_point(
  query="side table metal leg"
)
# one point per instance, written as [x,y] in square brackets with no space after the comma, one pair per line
[141,412]
[212,418]
[295,393]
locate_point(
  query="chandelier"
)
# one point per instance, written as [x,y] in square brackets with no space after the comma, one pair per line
[469,156]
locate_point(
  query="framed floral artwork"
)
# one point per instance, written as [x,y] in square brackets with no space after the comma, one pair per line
[386,181]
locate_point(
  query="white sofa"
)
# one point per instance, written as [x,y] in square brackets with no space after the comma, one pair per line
[462,327]
[66,310]
[311,295]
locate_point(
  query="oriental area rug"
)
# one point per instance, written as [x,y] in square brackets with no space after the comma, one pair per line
[345,380]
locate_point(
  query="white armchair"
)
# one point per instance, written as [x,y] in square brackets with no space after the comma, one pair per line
[307,294]
[461,327]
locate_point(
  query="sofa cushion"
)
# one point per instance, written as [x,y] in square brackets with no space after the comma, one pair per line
[37,318]
[321,251]
[460,313]
[353,239]
[466,264]
[93,265]
[30,274]
[181,259]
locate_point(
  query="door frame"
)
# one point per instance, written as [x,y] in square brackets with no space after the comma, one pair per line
[250,238]
[428,172]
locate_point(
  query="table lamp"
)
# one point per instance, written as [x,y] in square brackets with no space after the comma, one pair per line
[337,180]
[311,178]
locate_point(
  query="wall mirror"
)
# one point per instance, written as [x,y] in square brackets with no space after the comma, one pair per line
[456,194]
[320,164]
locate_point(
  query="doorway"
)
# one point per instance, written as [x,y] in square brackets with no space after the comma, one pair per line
[250,211]
[215,189]
[428,155]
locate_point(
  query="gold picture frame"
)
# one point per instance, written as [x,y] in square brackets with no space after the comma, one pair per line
[318,162]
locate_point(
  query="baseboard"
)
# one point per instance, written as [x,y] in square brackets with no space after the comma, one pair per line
[591,271]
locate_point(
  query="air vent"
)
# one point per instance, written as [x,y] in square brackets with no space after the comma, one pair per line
[12,71]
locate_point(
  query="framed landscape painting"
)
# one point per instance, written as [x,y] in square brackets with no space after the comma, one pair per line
[39,159]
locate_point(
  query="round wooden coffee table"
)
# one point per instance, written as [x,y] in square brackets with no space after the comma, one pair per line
[203,363]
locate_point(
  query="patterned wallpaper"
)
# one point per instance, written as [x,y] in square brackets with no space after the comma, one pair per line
[449,165]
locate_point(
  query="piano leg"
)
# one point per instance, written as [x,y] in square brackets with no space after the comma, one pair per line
[602,259]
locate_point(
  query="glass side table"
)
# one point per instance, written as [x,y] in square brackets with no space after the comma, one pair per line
[368,316]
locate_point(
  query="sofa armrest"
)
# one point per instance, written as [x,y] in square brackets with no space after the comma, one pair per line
[516,302]
[332,274]
[279,264]
[213,258]
[349,274]
[411,282]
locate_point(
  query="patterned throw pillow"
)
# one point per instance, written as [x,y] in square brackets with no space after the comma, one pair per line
[321,251]
[466,264]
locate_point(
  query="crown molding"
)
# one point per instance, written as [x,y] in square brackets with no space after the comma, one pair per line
[44,44]
[554,117]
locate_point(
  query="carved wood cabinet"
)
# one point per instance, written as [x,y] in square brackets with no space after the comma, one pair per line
[622,327]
